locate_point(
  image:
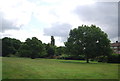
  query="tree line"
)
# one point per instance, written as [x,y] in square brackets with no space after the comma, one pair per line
[85,42]
[32,48]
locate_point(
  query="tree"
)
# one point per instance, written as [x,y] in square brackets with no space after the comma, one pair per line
[50,50]
[52,41]
[89,41]
[60,50]
[32,48]
[0,47]
[10,46]
[24,51]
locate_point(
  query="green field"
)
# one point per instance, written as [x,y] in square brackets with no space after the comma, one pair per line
[26,68]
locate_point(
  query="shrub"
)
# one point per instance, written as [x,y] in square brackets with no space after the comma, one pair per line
[114,58]
[102,59]
[72,57]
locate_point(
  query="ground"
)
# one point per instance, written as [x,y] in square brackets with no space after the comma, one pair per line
[26,68]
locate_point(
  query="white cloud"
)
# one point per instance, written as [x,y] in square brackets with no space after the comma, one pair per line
[59,30]
[47,12]
[18,11]
[102,14]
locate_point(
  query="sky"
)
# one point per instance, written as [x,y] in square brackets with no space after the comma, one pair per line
[22,19]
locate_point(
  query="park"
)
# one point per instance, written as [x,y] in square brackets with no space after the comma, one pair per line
[26,68]
[86,55]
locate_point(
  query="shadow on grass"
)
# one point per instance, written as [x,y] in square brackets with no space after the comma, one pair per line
[60,80]
[77,62]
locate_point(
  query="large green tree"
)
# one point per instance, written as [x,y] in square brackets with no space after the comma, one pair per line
[90,41]
[31,48]
[10,46]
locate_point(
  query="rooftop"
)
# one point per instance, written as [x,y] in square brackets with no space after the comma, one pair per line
[115,44]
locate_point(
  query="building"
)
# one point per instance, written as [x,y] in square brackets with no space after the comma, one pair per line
[116,47]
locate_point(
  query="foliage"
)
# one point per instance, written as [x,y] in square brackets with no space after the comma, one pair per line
[114,58]
[31,48]
[0,47]
[60,50]
[71,57]
[50,51]
[102,59]
[10,46]
[83,42]
[44,52]
[52,41]
[89,41]
[24,51]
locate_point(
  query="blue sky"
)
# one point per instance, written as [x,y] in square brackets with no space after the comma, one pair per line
[22,19]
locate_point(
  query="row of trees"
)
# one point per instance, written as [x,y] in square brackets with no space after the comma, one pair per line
[85,42]
[32,48]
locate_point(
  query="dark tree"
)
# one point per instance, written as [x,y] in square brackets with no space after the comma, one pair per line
[24,51]
[60,50]
[50,50]
[52,41]
[32,48]
[89,41]
[0,47]
[10,46]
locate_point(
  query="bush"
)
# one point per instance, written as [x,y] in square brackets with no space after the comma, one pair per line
[114,58]
[102,59]
[11,55]
[71,57]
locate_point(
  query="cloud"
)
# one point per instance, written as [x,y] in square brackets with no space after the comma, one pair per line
[59,30]
[107,0]
[103,14]
[119,21]
[14,14]
[8,25]
[44,15]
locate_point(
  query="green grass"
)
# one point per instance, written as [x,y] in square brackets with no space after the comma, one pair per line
[26,68]
[0,68]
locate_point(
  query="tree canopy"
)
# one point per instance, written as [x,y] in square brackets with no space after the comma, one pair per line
[10,46]
[90,41]
[31,48]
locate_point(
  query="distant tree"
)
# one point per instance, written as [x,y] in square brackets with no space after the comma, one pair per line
[52,41]
[0,47]
[16,43]
[60,50]
[44,52]
[89,41]
[32,48]
[10,46]
[24,51]
[50,50]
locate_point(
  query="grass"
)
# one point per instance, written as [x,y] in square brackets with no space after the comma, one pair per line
[26,68]
[0,68]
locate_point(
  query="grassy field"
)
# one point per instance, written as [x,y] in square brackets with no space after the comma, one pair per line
[26,68]
[0,68]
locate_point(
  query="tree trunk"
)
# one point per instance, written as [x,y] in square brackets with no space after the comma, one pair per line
[87,60]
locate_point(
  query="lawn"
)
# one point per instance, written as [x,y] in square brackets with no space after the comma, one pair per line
[26,68]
